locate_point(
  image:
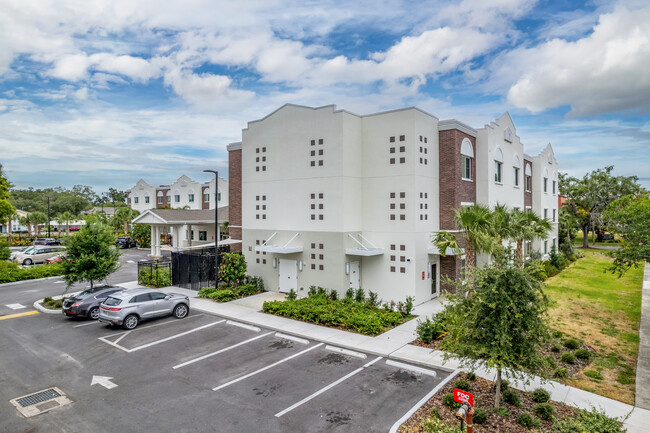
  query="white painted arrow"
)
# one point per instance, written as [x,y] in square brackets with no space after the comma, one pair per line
[103,381]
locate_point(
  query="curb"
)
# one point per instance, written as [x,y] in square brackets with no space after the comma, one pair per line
[37,304]
[13,283]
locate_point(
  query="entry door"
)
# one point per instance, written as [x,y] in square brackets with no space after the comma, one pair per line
[434,280]
[288,271]
[354,275]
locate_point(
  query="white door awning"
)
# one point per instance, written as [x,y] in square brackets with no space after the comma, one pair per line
[363,250]
[279,249]
[449,252]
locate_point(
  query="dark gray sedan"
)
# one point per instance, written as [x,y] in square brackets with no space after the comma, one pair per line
[86,303]
[130,307]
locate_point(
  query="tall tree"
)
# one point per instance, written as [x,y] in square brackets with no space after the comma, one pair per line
[526,226]
[37,219]
[588,197]
[6,209]
[503,325]
[476,223]
[630,218]
[67,218]
[92,254]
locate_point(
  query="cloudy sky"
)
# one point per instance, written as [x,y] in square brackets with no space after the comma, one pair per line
[104,92]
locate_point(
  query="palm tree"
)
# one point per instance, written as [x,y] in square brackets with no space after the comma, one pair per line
[37,219]
[476,222]
[502,227]
[446,241]
[526,226]
[67,217]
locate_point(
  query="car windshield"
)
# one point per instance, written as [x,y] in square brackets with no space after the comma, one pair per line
[27,250]
[111,301]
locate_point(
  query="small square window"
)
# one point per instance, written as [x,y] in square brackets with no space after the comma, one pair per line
[425,150]
[321,267]
[392,139]
[263,168]
[257,150]
[313,142]
[264,159]
[392,195]
[257,159]
[402,195]
[263,261]
[420,138]
[257,169]
[392,258]
[313,196]
[425,195]
[426,217]
[263,216]
[421,206]
[313,206]
[425,161]
[402,138]
[313,153]
[402,148]
[320,257]
[420,160]
[320,206]
[421,217]
[420,148]
[257,242]
[313,216]
[264,149]
[320,195]
[257,207]
[392,150]
[257,260]
[421,195]
[402,217]
[313,256]
[425,139]
[263,197]
[263,207]
[392,160]
[402,160]
[257,216]
[402,258]
[313,266]
[392,247]
[392,217]
[313,163]
[320,217]
[402,205]
[392,268]
[392,205]
[320,151]
[320,141]
[402,270]
[320,162]
[257,197]
[320,246]
[402,247]
[313,246]
[426,205]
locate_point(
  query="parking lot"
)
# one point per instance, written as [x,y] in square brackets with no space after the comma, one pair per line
[202,373]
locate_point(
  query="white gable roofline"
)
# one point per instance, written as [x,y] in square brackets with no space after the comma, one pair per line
[445,125]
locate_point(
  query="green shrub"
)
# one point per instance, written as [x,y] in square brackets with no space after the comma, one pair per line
[435,425]
[501,411]
[626,377]
[510,396]
[448,400]
[527,420]
[471,375]
[359,295]
[550,360]
[155,276]
[334,295]
[504,385]
[556,348]
[206,292]
[349,294]
[372,298]
[560,373]
[571,343]
[583,354]
[232,268]
[408,305]
[258,282]
[568,358]
[593,374]
[540,395]
[544,411]
[429,330]
[589,421]
[480,415]
[48,299]
[11,272]
[550,270]
[462,384]
[223,295]
[557,333]
[291,296]
[5,252]
[435,413]
[246,290]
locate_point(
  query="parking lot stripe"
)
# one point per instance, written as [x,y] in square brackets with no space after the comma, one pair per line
[153,343]
[295,355]
[328,387]
[292,338]
[243,325]
[412,368]
[13,316]
[122,336]
[346,352]
[15,306]
[201,358]
[94,322]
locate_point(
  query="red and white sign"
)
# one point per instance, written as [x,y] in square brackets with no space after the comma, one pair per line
[463,397]
[422,276]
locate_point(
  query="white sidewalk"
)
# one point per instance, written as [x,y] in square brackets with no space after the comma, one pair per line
[394,344]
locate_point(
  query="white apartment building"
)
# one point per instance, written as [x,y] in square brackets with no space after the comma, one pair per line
[184,193]
[329,198]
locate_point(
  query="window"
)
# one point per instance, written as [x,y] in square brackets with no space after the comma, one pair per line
[177,198]
[498,166]
[463,268]
[190,198]
[554,214]
[545,213]
[529,181]
[206,197]
[135,200]
[554,187]
[467,167]
[146,199]
[203,235]
[546,184]
[218,196]
[545,247]
[160,199]
[516,176]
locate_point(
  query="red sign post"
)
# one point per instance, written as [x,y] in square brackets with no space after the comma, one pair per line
[463,397]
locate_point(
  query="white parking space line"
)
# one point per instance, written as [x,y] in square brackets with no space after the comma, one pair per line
[412,368]
[201,358]
[243,325]
[122,336]
[328,387]
[292,338]
[94,322]
[295,355]
[113,344]
[15,306]
[346,352]
[130,261]
[153,343]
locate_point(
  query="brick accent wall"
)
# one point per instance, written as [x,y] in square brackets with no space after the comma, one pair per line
[449,268]
[528,195]
[204,204]
[235,197]
[454,190]
[165,198]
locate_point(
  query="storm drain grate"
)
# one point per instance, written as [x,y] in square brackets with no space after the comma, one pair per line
[38,397]
[39,402]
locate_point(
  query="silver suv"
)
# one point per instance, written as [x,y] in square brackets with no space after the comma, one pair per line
[129,307]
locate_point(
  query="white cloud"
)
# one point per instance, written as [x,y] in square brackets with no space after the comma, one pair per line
[206,90]
[603,72]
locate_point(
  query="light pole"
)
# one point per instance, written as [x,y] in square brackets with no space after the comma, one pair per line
[216,225]
[48,217]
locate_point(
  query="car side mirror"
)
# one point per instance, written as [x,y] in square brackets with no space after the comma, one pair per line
[168,297]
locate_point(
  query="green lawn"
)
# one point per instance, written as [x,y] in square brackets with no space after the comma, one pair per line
[578,241]
[604,311]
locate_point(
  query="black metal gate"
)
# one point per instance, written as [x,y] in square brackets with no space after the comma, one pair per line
[193,270]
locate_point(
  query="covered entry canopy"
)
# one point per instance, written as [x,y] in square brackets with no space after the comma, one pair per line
[180,222]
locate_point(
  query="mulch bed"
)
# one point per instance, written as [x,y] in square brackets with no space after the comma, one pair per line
[484,393]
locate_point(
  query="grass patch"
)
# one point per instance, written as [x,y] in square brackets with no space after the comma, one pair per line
[347,313]
[603,311]
[227,294]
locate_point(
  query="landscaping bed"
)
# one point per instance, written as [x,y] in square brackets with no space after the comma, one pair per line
[52,304]
[354,312]
[519,412]
[11,272]
[226,293]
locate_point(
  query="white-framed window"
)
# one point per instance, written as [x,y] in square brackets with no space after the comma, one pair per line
[529,248]
[190,198]
[554,214]
[206,197]
[160,199]
[546,184]
[135,200]
[545,247]
[203,235]
[146,199]
[218,196]
[545,213]
[515,173]
[554,185]
[498,165]
[177,198]
[467,154]
[528,179]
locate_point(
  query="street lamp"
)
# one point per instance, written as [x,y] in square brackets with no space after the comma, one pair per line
[48,216]
[216,225]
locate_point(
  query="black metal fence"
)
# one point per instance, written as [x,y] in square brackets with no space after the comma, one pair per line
[155,273]
[193,269]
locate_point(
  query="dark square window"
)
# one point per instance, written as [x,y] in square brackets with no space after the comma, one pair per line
[313,196]
[263,197]
[402,270]
[257,197]
[426,205]
[402,195]
[392,268]
[257,260]
[402,205]
[425,194]
[425,161]
[313,216]
[420,147]
[263,261]
[313,266]
[313,163]
[320,151]
[402,148]
[320,141]
[263,158]
[321,267]
[425,150]
[392,247]
[313,245]
[392,150]
[420,138]
[257,207]
[392,160]
[313,142]
[425,139]
[257,150]
[313,256]
[402,137]
[392,205]
[421,206]
[420,160]
[263,168]
[320,217]
[264,149]
[392,258]
[402,160]
[402,217]
[320,162]
[320,246]
[263,207]
[426,217]
[313,153]
[392,195]
[402,258]
[257,159]
[402,247]
[313,206]
[320,205]
[421,217]
[257,242]
[320,257]
[392,217]
[263,216]
[257,169]
[392,139]
[320,195]
[257,216]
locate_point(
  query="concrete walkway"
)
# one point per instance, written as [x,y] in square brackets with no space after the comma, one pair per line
[394,344]
[643,360]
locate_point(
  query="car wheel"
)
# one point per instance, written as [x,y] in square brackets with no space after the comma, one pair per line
[28,262]
[181,311]
[94,313]
[130,322]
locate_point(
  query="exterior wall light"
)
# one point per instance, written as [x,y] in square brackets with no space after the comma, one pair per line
[300,265]
[347,268]
[275,262]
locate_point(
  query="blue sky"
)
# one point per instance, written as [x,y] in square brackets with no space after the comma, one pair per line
[106,92]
